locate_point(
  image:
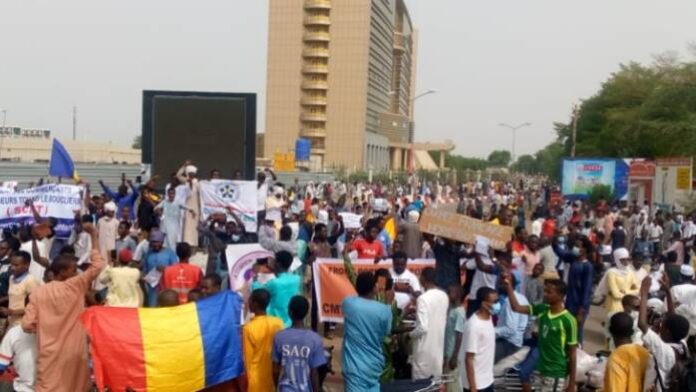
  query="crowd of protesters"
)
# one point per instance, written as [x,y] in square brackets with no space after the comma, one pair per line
[451,325]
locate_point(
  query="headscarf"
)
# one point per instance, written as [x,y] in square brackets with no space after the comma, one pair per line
[619,254]
[190,169]
[110,206]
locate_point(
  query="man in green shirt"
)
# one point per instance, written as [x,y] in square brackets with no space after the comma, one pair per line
[557,342]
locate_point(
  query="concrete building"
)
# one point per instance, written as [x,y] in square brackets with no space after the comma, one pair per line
[342,74]
[34,145]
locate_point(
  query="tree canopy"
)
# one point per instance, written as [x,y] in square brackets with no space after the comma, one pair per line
[499,158]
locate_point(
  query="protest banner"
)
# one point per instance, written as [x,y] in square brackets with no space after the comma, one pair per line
[240,263]
[351,220]
[332,285]
[217,195]
[53,200]
[448,224]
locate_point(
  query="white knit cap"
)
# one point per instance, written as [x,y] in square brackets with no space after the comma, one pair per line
[110,206]
[190,169]
[413,216]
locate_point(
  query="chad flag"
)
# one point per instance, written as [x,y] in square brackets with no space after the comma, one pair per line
[182,348]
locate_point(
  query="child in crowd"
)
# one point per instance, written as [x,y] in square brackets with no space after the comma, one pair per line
[257,339]
[297,352]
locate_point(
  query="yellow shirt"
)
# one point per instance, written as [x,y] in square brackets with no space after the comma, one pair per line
[124,287]
[618,285]
[626,369]
[258,343]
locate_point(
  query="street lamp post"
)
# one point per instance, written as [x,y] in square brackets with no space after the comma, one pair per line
[412,126]
[514,132]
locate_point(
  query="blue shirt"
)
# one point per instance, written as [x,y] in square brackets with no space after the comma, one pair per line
[367,323]
[298,351]
[512,325]
[579,287]
[282,288]
[164,258]
[123,201]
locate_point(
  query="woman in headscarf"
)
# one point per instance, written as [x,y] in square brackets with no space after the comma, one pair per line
[620,281]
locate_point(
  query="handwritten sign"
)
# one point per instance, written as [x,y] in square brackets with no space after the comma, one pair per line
[351,221]
[448,224]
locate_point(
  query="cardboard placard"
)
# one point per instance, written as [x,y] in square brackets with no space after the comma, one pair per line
[447,224]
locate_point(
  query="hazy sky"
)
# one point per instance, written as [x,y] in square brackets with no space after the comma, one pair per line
[508,61]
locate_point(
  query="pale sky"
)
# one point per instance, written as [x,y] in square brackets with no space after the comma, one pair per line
[509,61]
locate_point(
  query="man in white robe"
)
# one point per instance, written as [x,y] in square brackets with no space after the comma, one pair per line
[429,334]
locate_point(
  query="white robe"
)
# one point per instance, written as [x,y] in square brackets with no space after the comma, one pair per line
[429,335]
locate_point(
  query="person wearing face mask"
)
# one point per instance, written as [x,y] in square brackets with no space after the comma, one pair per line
[580,281]
[509,332]
[479,343]
[620,281]
[428,337]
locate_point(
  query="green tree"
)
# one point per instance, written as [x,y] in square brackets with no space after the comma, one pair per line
[137,142]
[640,111]
[499,158]
[600,192]
[526,164]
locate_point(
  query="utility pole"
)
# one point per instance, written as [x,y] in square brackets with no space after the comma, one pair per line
[74,123]
[574,130]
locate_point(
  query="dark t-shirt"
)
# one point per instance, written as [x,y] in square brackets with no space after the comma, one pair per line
[618,239]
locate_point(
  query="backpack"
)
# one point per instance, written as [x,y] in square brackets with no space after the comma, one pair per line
[682,377]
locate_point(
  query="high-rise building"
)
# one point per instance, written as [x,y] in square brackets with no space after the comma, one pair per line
[341,74]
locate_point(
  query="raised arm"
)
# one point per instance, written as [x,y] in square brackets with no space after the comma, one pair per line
[113,195]
[483,267]
[516,307]
[36,255]
[97,263]
[643,308]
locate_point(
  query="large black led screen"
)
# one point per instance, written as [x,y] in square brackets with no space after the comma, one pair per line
[214,130]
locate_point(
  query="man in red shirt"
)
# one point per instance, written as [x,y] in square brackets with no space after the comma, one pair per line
[549,226]
[368,247]
[182,277]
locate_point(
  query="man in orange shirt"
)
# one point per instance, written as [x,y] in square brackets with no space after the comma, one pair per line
[182,277]
[257,341]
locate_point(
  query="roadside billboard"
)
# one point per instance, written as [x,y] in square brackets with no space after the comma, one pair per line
[581,175]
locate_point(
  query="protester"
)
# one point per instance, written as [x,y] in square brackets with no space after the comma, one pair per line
[557,338]
[167,299]
[154,263]
[626,366]
[124,200]
[52,313]
[456,319]
[429,335]
[187,176]
[297,352]
[258,335]
[170,221]
[580,283]
[282,288]
[124,239]
[21,285]
[80,240]
[211,285]
[666,347]
[182,276]
[108,229]
[406,283]
[19,349]
[123,282]
[367,323]
[479,343]
[620,281]
[511,326]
